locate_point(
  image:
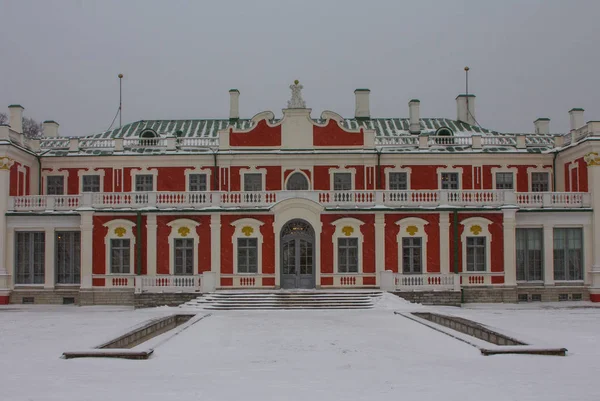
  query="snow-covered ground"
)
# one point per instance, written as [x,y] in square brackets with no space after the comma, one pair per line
[298,355]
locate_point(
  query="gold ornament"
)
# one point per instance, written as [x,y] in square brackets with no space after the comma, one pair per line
[247,230]
[120,231]
[183,231]
[476,229]
[592,159]
[412,230]
[347,230]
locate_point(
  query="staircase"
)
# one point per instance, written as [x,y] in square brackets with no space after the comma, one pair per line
[268,300]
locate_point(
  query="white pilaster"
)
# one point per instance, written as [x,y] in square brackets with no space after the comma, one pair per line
[49,276]
[215,245]
[510,249]
[151,228]
[444,242]
[593,162]
[5,165]
[379,245]
[548,254]
[588,249]
[87,254]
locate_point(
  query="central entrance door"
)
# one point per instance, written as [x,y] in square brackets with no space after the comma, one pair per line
[297,255]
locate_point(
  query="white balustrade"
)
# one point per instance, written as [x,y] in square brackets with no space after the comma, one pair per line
[45,202]
[543,141]
[426,282]
[146,143]
[186,199]
[116,281]
[477,278]
[411,198]
[407,141]
[347,198]
[437,140]
[167,283]
[474,197]
[54,143]
[198,142]
[249,199]
[499,140]
[96,143]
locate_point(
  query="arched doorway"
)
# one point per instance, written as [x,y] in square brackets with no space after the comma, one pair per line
[297,255]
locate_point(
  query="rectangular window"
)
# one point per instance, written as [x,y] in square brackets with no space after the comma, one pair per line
[568,254]
[449,180]
[197,182]
[412,251]
[530,254]
[342,181]
[504,181]
[184,256]
[91,183]
[68,257]
[247,255]
[476,254]
[347,255]
[55,185]
[120,256]
[398,181]
[253,182]
[30,254]
[540,182]
[144,183]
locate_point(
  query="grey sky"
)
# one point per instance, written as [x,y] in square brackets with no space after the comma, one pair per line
[528,58]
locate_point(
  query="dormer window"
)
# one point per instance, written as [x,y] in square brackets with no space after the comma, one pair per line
[444,131]
[148,138]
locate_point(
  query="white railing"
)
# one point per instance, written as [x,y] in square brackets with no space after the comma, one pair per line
[146,143]
[340,199]
[54,143]
[426,282]
[166,283]
[449,140]
[478,278]
[96,143]
[581,133]
[114,281]
[543,141]
[500,140]
[411,141]
[198,142]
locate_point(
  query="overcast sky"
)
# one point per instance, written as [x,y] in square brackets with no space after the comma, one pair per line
[528,58]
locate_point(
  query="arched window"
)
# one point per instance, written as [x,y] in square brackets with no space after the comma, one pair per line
[297,182]
[444,131]
[147,138]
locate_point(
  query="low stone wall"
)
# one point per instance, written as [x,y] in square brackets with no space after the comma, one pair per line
[552,294]
[489,295]
[45,296]
[448,298]
[106,297]
[151,300]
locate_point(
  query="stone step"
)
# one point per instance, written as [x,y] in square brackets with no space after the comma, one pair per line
[280,307]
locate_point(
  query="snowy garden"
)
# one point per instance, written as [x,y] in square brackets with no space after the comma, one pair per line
[299,355]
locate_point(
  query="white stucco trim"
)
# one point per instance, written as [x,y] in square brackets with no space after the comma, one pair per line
[342,231]
[253,170]
[350,170]
[539,169]
[55,172]
[407,230]
[82,173]
[242,231]
[469,230]
[504,169]
[285,183]
[458,170]
[113,233]
[406,170]
[144,171]
[190,171]
[186,229]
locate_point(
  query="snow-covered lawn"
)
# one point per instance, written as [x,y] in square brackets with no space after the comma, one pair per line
[298,355]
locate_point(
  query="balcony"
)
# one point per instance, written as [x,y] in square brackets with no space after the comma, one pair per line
[328,199]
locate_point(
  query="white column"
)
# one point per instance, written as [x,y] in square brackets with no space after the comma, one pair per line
[5,286]
[87,254]
[548,254]
[49,276]
[379,246]
[215,246]
[593,162]
[588,249]
[151,244]
[510,249]
[444,242]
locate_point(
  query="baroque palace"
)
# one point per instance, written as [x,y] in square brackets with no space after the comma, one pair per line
[424,207]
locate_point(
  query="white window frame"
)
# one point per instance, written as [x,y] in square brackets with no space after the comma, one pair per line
[192,171]
[483,223]
[177,233]
[253,170]
[458,170]
[111,234]
[310,187]
[241,232]
[406,170]
[512,170]
[351,170]
[539,169]
[339,225]
[405,232]
[55,172]
[144,171]
[82,173]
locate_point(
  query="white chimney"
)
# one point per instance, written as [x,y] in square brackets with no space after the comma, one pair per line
[415,116]
[362,104]
[576,118]
[234,104]
[542,126]
[465,109]
[50,129]
[16,117]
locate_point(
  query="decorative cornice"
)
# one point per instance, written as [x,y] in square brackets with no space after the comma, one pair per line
[6,163]
[592,159]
